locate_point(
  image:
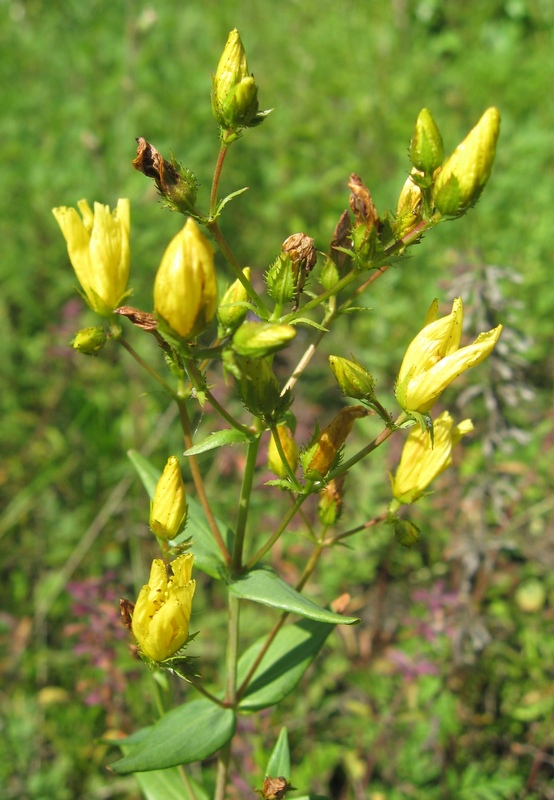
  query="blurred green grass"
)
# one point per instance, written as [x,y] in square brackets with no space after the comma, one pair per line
[79,83]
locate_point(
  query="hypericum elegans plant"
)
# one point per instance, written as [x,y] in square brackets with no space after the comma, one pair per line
[241,332]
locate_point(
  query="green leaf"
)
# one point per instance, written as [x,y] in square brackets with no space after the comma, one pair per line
[287,658]
[263,585]
[222,203]
[147,472]
[279,760]
[218,439]
[191,732]
[309,322]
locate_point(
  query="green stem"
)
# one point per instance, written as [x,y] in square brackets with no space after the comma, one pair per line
[370,524]
[215,230]
[280,528]
[321,298]
[199,383]
[383,436]
[244,503]
[231,692]
[146,366]
[197,478]
[306,358]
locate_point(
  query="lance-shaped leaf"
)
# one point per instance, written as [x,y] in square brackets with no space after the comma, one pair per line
[218,439]
[287,658]
[188,733]
[263,585]
[279,760]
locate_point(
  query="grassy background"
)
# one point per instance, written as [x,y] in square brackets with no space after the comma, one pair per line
[468,706]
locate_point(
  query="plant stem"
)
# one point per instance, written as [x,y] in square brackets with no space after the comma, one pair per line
[280,528]
[197,478]
[231,692]
[124,343]
[217,177]
[244,503]
[197,380]
[369,524]
[215,230]
[306,358]
[383,436]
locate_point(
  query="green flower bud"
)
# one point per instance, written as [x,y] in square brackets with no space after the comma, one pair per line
[280,279]
[89,341]
[353,379]
[260,339]
[406,532]
[259,389]
[168,509]
[234,91]
[530,596]
[426,148]
[232,308]
[464,175]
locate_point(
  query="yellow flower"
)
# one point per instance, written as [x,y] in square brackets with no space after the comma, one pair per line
[185,289]
[168,510]
[98,247]
[422,460]
[162,612]
[434,358]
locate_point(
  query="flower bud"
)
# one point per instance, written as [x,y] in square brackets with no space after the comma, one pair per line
[465,174]
[408,210]
[332,438]
[234,91]
[274,460]
[98,247]
[406,532]
[162,612]
[330,501]
[259,389]
[185,289]
[426,148]
[175,183]
[168,509]
[232,308]
[89,341]
[260,339]
[353,379]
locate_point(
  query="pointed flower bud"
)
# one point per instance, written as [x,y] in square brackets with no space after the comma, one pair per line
[353,379]
[426,148]
[408,211]
[89,341]
[168,509]
[434,358]
[465,174]
[290,449]
[185,289]
[423,460]
[162,612]
[98,247]
[332,438]
[260,339]
[232,308]
[234,91]
[175,183]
